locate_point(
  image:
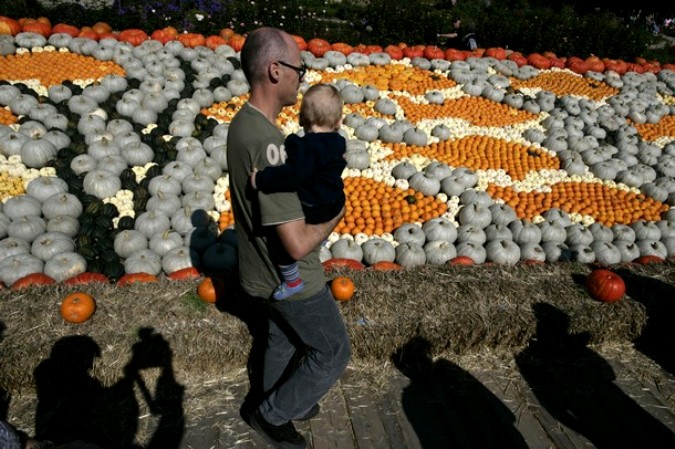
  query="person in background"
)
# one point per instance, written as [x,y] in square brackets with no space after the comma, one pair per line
[308,346]
[314,168]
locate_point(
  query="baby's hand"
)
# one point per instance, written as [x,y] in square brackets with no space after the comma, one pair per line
[253,173]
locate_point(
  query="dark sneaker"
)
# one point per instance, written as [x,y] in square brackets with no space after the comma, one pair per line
[281,437]
[311,413]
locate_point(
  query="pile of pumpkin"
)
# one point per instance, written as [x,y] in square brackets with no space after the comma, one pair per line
[113,155]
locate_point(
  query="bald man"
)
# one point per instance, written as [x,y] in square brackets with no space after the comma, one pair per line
[307,344]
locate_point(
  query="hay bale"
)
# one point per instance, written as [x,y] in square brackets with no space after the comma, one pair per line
[457,309]
[462,309]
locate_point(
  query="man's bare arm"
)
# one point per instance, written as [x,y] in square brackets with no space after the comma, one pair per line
[300,238]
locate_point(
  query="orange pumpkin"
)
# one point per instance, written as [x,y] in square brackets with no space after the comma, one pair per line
[558,63]
[452,54]
[101,28]
[214,42]
[433,52]
[302,43]
[78,307]
[185,274]
[112,35]
[342,263]
[496,52]
[70,30]
[162,36]
[191,39]
[518,58]
[37,26]
[88,33]
[605,285]
[577,65]
[134,36]
[236,42]
[615,65]
[318,47]
[644,260]
[210,289]
[226,33]
[394,51]
[343,48]
[131,278]
[342,288]
[9,26]
[31,280]
[461,260]
[595,64]
[416,51]
[87,278]
[383,265]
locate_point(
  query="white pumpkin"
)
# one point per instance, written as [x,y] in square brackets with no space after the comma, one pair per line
[50,244]
[128,242]
[438,252]
[15,267]
[65,265]
[144,261]
[378,250]
[346,249]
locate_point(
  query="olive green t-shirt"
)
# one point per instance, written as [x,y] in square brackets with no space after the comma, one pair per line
[252,141]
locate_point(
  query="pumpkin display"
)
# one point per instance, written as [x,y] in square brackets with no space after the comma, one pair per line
[342,288]
[125,160]
[77,307]
[605,285]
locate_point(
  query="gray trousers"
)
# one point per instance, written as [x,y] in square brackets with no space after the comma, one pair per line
[316,324]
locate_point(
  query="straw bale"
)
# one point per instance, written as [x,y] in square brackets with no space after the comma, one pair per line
[457,309]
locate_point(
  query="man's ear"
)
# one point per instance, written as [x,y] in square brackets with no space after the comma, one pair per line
[273,72]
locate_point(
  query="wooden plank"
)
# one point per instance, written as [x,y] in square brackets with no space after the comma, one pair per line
[369,432]
[506,389]
[233,431]
[561,437]
[410,440]
[332,428]
[388,407]
[649,391]
[201,435]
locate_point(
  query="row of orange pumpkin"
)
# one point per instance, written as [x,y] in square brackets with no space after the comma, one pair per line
[319,47]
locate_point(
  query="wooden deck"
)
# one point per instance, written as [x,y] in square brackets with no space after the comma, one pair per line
[609,397]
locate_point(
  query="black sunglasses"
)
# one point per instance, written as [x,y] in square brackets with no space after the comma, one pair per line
[301,70]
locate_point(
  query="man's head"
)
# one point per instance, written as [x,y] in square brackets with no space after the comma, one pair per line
[270,59]
[321,107]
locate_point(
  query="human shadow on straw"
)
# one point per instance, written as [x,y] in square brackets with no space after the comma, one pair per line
[576,387]
[73,405]
[658,298]
[448,407]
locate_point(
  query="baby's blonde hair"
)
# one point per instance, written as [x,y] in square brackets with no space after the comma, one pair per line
[321,106]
